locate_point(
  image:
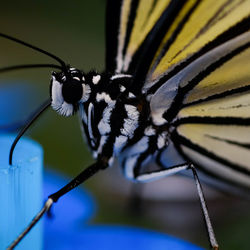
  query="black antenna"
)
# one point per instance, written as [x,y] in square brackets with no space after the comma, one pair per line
[29,66]
[83,176]
[35,48]
[35,115]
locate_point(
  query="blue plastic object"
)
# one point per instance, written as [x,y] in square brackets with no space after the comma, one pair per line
[72,210]
[116,237]
[66,230]
[20,192]
[20,198]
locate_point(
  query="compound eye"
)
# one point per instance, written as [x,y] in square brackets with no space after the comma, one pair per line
[72,91]
[66,95]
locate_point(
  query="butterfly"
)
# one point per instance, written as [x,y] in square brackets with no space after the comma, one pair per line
[176,82]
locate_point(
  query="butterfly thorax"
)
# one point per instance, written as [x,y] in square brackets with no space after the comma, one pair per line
[113,116]
[114,120]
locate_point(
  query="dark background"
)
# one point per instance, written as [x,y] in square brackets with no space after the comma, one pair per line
[74,31]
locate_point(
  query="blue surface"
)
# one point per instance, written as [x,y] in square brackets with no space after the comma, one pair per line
[20,192]
[73,209]
[116,238]
[17,102]
[66,230]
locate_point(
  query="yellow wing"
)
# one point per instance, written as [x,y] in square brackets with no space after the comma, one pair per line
[194,59]
[178,30]
[213,125]
[207,107]
[130,22]
[207,22]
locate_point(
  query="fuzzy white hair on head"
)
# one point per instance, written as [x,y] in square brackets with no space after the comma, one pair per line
[66,109]
[56,94]
[86,90]
[57,102]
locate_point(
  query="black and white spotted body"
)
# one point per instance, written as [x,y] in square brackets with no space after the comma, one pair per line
[115,122]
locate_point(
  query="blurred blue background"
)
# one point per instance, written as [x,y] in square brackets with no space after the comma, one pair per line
[74,31]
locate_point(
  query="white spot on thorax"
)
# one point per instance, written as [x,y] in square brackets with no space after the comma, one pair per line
[76,78]
[96,79]
[131,95]
[90,110]
[130,123]
[122,88]
[120,76]
[162,140]
[103,97]
[149,131]
[132,111]
[104,124]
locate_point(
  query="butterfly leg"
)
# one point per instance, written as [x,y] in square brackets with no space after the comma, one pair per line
[146,177]
[203,204]
[83,176]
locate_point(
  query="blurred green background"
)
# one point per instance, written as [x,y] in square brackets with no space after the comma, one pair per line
[74,31]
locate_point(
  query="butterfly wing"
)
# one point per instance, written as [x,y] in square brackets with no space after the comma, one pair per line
[133,27]
[165,33]
[214,121]
[206,25]
[208,104]
[193,58]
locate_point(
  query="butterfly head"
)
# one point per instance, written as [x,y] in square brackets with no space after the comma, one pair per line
[68,90]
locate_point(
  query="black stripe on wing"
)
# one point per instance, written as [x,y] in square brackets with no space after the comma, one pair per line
[145,54]
[174,35]
[243,145]
[211,22]
[113,10]
[182,92]
[212,177]
[212,120]
[131,19]
[240,90]
[180,140]
[231,33]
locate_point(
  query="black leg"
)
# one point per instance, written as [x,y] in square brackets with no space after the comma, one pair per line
[30,121]
[83,176]
[178,168]
[209,226]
